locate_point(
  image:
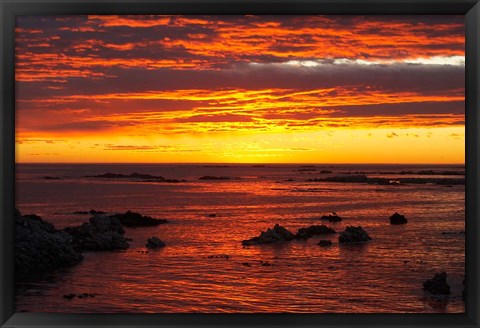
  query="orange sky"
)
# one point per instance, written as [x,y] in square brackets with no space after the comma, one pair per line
[248,89]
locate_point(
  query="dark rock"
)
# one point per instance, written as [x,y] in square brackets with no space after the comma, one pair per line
[314,230]
[276,235]
[325,172]
[212,215]
[246,264]
[438,284]
[132,219]
[362,178]
[69,296]
[109,176]
[165,180]
[348,178]
[102,233]
[209,177]
[431,172]
[145,176]
[154,242]
[219,257]
[353,235]
[51,178]
[92,212]
[325,243]
[265,263]
[398,219]
[137,176]
[41,248]
[462,232]
[331,217]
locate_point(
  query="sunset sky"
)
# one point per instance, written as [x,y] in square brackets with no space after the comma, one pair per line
[240,89]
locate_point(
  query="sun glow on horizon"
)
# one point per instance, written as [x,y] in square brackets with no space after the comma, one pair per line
[240,89]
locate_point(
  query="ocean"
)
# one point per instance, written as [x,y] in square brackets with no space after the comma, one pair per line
[192,273]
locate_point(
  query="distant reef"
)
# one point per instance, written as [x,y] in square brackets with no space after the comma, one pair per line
[210,177]
[134,176]
[362,178]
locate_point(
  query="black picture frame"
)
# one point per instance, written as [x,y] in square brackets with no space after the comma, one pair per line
[9,9]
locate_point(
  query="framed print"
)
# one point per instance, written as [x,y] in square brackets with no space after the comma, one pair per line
[271,163]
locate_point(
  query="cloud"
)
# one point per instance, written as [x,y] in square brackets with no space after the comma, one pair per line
[68,46]
[143,75]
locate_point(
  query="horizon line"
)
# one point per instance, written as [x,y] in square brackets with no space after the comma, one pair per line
[239,163]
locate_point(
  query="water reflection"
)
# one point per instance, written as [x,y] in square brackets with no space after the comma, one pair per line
[383,275]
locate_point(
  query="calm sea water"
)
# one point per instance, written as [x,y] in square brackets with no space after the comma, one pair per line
[384,275]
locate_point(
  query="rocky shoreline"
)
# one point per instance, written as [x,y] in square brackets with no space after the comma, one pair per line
[40,248]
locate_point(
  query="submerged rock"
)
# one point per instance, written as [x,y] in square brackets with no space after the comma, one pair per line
[218,257]
[209,177]
[69,296]
[155,242]
[353,235]
[132,219]
[333,217]
[461,232]
[276,235]
[51,178]
[438,284]
[398,219]
[92,212]
[314,230]
[40,247]
[325,243]
[102,233]
[347,178]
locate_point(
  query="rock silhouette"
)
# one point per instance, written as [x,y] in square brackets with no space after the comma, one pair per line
[438,284]
[40,247]
[314,230]
[132,219]
[154,242]
[398,219]
[325,243]
[333,217]
[362,178]
[276,235]
[209,177]
[353,235]
[102,233]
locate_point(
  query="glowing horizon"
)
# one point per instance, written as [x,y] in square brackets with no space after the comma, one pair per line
[240,89]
